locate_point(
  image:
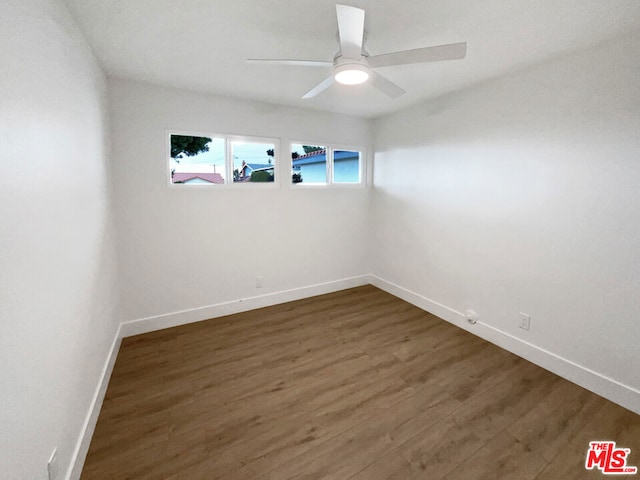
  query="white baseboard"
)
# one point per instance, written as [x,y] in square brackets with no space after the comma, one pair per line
[82,447]
[604,386]
[158,322]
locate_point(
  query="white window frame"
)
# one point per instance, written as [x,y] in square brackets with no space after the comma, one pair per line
[331,148]
[228,160]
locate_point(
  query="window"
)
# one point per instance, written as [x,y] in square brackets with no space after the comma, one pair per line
[323,165]
[220,159]
[252,161]
[346,166]
[309,164]
[197,160]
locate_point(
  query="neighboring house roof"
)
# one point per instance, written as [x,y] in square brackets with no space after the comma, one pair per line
[248,168]
[263,169]
[180,177]
[345,154]
[320,156]
[257,166]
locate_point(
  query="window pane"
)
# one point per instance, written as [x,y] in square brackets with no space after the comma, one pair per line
[253,162]
[309,163]
[346,166]
[197,160]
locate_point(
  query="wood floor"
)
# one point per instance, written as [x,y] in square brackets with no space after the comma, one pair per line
[352,385]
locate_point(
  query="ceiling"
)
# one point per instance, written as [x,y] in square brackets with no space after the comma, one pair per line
[202,44]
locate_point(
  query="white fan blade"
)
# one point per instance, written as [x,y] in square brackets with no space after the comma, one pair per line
[321,87]
[452,51]
[301,63]
[386,86]
[351,30]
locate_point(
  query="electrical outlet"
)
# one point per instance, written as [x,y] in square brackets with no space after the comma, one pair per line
[259,281]
[471,316]
[52,465]
[525,321]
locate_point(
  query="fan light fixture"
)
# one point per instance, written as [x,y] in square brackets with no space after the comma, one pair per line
[353,66]
[353,74]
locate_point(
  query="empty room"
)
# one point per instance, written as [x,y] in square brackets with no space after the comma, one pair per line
[355,240]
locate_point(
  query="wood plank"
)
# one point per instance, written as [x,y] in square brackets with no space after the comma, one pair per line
[354,385]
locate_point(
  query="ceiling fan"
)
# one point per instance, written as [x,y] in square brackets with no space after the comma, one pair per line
[353,66]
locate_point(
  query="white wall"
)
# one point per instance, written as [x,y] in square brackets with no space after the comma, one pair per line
[182,248]
[57,283]
[522,195]
[518,195]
